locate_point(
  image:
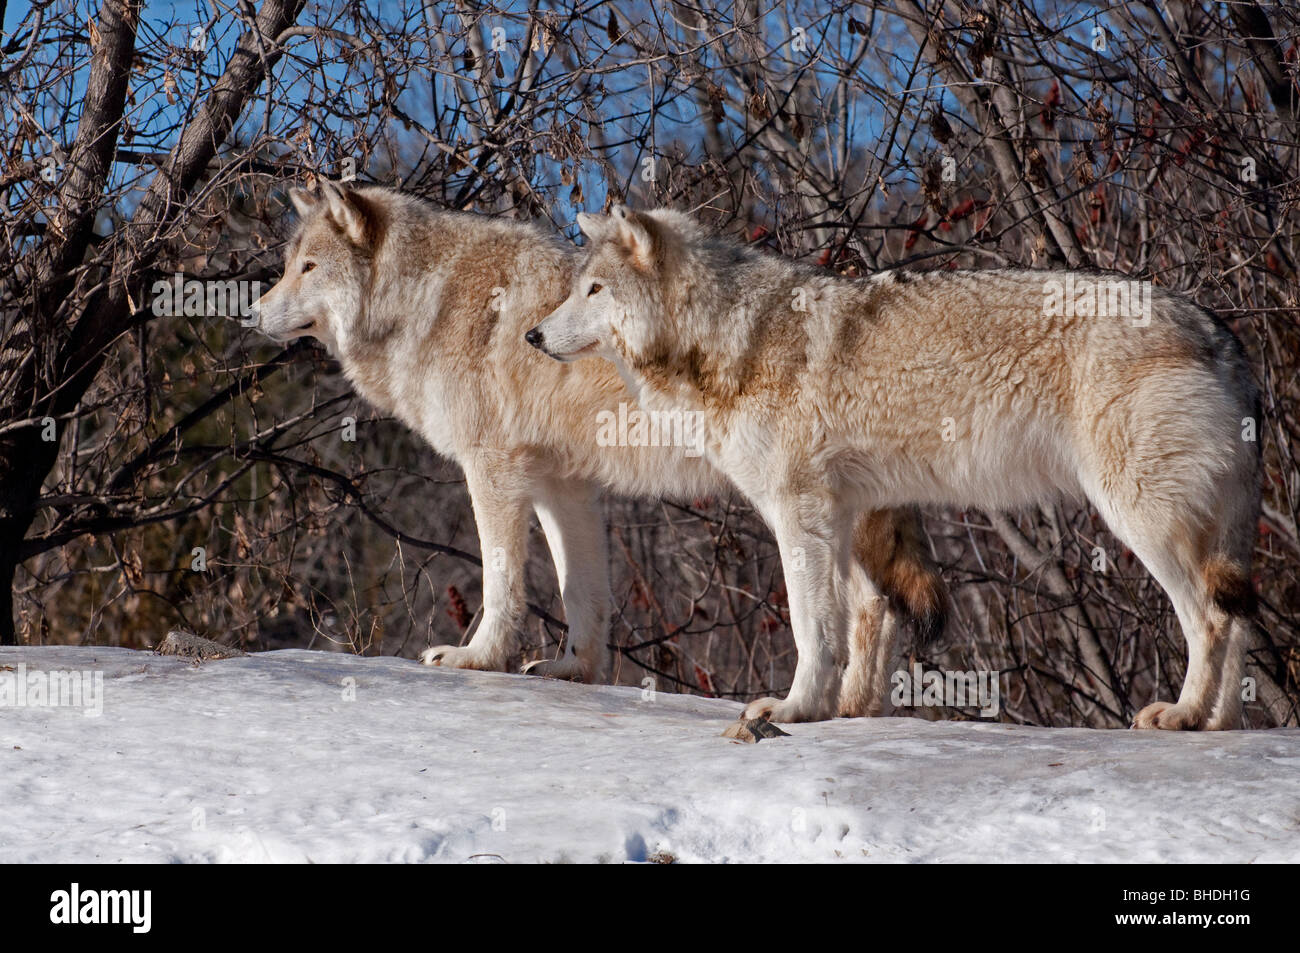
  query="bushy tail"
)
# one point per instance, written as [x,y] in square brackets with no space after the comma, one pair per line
[890,545]
[1229,587]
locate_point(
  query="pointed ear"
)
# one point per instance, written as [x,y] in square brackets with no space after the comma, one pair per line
[594,227]
[637,234]
[303,200]
[344,211]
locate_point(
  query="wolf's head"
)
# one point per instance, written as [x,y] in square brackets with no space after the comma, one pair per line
[326,268]
[616,307]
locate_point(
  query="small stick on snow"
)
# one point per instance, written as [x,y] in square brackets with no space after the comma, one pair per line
[753,731]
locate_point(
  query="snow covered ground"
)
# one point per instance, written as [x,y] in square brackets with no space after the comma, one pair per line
[310,756]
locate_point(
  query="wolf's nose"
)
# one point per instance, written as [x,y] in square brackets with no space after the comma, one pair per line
[534,337]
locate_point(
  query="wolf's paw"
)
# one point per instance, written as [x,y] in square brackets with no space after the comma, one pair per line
[858,708]
[453,656]
[858,703]
[781,710]
[565,667]
[1168,716]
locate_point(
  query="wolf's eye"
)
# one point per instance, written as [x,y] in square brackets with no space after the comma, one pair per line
[308,266]
[594,288]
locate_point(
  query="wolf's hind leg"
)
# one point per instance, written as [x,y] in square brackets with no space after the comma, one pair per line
[1173,547]
[1208,634]
[1166,463]
[501,501]
[571,518]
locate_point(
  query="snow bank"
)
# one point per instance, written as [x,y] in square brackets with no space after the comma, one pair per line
[309,756]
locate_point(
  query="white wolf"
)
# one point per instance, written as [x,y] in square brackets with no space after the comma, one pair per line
[426,311]
[822,396]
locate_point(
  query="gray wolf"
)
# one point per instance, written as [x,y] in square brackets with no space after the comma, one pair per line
[823,396]
[426,312]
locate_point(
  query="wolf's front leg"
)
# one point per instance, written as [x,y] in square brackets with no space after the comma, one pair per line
[501,512]
[571,518]
[814,559]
